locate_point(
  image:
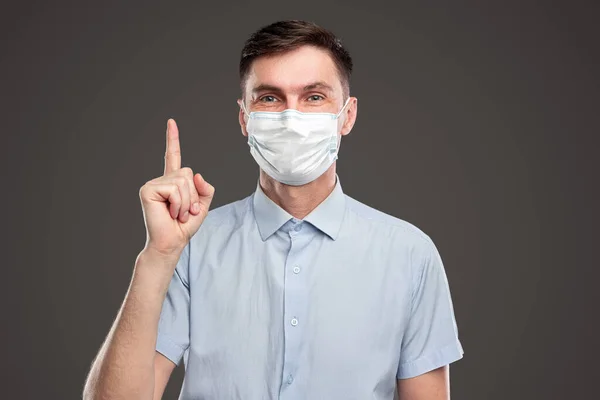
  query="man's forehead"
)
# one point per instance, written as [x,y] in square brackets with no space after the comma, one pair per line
[302,69]
[258,86]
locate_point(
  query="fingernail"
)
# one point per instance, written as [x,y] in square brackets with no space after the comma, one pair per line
[185,214]
[195,207]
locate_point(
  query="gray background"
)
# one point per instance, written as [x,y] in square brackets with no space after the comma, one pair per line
[477,123]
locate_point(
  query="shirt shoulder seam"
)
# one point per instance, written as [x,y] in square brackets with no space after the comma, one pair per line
[401,224]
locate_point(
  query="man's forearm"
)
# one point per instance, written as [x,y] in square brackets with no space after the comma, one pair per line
[124,366]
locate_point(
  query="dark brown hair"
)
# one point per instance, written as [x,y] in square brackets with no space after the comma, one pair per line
[283,36]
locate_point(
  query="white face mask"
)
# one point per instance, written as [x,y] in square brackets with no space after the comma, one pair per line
[293,147]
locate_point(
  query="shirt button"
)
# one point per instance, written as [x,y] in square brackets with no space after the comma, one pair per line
[298,227]
[294,322]
[296,269]
[290,379]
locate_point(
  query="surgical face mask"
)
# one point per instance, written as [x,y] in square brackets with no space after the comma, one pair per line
[293,147]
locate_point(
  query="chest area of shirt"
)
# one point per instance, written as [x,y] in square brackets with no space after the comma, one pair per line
[313,284]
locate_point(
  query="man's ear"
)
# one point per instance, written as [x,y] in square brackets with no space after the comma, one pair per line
[241,120]
[350,116]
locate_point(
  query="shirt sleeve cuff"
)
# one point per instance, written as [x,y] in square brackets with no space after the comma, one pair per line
[431,361]
[167,348]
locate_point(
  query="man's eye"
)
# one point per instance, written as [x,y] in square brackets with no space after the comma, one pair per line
[267,99]
[315,97]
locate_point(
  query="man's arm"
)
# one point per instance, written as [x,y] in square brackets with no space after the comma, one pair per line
[127,362]
[163,367]
[432,385]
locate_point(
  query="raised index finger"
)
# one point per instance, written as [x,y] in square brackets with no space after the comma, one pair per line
[173,153]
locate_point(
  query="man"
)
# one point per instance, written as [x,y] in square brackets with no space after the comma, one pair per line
[297,291]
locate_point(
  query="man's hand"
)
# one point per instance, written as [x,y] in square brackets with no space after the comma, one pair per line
[176,203]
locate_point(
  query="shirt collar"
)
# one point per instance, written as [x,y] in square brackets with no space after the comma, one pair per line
[327,216]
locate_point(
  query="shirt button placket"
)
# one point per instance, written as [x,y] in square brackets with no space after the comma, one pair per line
[294,303]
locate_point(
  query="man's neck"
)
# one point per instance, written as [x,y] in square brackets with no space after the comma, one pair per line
[299,201]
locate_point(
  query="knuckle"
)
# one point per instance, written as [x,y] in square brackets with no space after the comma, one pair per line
[187,172]
[175,194]
[182,182]
[144,187]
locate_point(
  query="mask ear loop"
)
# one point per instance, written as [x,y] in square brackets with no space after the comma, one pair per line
[244,109]
[339,140]
[247,114]
[344,106]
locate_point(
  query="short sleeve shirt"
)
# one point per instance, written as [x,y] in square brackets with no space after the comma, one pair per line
[335,306]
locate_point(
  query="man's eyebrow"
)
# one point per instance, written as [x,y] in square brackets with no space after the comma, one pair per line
[265,87]
[311,86]
[318,85]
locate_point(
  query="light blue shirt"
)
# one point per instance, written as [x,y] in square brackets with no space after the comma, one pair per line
[336,306]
